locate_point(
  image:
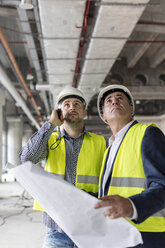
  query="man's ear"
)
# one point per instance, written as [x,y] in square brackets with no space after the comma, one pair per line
[133,112]
[85,113]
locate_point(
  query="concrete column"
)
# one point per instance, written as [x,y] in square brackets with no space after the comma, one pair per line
[27,133]
[14,139]
[2,103]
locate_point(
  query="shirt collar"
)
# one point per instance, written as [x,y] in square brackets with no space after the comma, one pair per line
[120,134]
[63,133]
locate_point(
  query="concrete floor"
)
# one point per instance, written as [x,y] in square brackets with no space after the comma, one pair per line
[20,225]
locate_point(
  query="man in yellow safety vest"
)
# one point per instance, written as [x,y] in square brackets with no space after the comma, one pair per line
[132,181]
[73,153]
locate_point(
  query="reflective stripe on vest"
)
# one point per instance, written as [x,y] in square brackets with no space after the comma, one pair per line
[88,164]
[128,177]
[83,179]
[87,179]
[128,182]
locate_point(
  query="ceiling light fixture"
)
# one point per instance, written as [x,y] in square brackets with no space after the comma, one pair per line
[26,4]
[137,101]
[29,76]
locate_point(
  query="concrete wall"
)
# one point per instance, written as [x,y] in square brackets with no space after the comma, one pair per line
[158,120]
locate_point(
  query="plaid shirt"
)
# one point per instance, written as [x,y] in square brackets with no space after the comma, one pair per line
[36,150]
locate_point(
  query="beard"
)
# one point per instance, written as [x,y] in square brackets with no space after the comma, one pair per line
[72,117]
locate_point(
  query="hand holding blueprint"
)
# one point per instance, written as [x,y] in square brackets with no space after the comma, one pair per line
[73,210]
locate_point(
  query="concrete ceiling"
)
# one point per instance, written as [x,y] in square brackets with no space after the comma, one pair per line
[84,43]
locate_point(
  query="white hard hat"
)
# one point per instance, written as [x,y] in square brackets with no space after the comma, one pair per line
[70,92]
[107,90]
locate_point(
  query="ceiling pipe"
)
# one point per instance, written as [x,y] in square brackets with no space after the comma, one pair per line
[31,51]
[5,81]
[21,42]
[43,87]
[47,102]
[145,41]
[19,74]
[82,42]
[16,4]
[79,58]
[151,23]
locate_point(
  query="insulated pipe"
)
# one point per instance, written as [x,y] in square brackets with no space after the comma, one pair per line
[5,81]
[19,74]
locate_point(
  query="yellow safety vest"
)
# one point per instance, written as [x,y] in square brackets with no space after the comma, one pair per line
[88,164]
[128,177]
